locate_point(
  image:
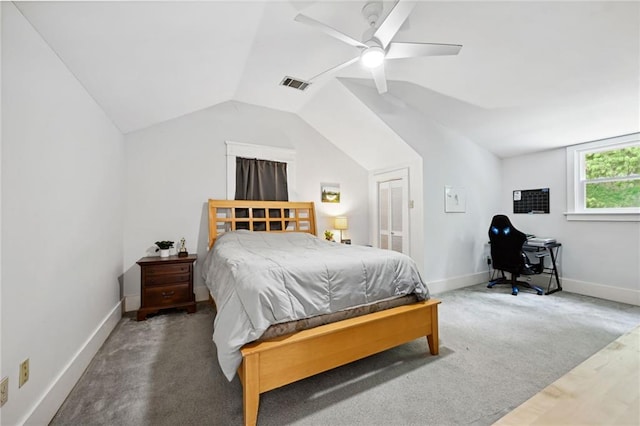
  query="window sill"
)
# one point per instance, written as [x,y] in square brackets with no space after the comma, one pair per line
[603,217]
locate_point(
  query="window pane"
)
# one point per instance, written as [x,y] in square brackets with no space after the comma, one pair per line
[384,208]
[604,195]
[396,243]
[613,163]
[396,208]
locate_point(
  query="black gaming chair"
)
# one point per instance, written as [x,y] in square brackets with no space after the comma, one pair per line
[507,255]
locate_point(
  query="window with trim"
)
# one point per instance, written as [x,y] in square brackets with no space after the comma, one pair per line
[603,179]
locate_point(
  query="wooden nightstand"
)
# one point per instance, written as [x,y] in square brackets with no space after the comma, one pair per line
[166,282]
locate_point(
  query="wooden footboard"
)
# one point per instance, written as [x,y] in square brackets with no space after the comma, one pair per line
[282,360]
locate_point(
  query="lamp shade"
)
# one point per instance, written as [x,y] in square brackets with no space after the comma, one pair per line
[341,223]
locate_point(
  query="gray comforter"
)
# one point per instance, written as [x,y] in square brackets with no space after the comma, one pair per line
[258,279]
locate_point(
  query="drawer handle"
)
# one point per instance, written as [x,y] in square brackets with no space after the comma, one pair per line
[167,294]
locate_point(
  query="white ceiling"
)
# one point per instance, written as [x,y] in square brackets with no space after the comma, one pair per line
[530,76]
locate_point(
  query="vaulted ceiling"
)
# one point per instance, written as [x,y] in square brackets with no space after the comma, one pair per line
[530,76]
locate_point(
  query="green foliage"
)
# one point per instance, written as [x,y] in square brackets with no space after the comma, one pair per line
[613,194]
[617,163]
[614,163]
[164,245]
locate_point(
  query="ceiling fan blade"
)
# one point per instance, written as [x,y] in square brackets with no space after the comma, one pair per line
[394,20]
[411,50]
[328,30]
[336,68]
[380,78]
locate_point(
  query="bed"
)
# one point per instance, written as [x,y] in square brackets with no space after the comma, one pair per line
[268,363]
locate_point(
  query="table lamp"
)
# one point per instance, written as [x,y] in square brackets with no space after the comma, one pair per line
[340,223]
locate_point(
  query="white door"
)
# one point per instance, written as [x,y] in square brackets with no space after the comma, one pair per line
[393,214]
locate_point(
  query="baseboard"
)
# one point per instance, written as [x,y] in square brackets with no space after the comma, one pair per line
[454,283]
[616,294]
[132,303]
[54,396]
[585,288]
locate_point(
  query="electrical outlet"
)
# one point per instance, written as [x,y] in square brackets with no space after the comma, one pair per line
[4,391]
[24,372]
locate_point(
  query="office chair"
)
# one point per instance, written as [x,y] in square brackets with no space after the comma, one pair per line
[507,255]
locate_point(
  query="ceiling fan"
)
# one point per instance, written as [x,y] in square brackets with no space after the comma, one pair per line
[377,44]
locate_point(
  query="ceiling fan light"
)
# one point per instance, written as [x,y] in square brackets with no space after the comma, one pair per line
[372,57]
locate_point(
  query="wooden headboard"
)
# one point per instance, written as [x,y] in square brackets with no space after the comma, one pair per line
[269,216]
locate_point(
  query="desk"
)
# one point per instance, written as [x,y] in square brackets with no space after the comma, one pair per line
[553,249]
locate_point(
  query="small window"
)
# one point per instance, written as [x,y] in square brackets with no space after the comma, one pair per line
[603,179]
[612,178]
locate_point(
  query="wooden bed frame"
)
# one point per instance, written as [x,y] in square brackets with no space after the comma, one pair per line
[272,363]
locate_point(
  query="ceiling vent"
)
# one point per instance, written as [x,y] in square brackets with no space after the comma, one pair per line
[294,83]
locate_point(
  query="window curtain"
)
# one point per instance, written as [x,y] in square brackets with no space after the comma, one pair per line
[261,180]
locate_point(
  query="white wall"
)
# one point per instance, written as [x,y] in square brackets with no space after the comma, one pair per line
[599,259]
[345,121]
[62,169]
[174,167]
[455,244]
[1,374]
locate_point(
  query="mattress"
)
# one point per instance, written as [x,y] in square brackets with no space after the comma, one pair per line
[290,327]
[260,279]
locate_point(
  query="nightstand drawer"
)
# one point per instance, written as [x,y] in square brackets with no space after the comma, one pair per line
[167,279]
[166,283]
[167,269]
[167,295]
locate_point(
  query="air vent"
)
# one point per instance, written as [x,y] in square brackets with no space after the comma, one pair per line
[294,83]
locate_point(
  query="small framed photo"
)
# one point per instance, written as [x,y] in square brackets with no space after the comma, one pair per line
[330,192]
[455,199]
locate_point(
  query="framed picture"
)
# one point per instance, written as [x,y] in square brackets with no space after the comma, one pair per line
[455,199]
[330,192]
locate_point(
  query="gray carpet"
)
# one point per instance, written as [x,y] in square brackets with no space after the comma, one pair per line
[496,351]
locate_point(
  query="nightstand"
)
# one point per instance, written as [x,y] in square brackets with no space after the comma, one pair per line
[166,282]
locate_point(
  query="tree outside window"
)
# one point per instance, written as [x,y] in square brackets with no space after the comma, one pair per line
[612,178]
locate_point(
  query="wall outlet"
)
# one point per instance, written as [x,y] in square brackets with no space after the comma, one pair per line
[4,391]
[24,373]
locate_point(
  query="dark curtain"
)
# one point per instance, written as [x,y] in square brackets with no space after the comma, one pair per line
[261,180]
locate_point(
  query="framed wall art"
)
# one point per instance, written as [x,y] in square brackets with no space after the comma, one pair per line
[455,199]
[330,192]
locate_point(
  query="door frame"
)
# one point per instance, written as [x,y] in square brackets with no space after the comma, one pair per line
[384,176]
